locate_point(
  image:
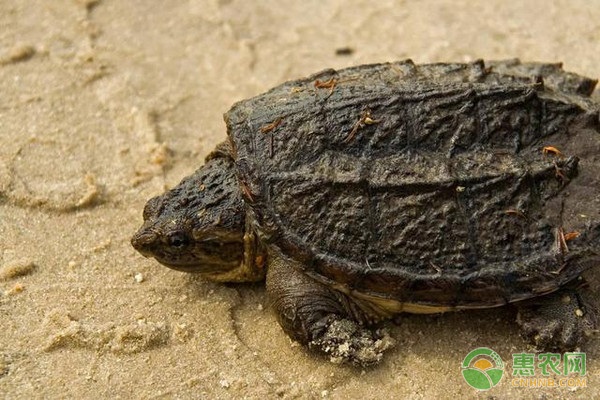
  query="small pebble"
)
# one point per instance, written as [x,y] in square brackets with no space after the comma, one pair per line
[139,278]
[344,51]
[579,312]
[18,288]
[224,383]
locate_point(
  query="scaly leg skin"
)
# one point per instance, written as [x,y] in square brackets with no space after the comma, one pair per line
[320,317]
[561,321]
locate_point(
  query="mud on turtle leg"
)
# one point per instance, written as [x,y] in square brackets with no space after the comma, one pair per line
[561,321]
[321,317]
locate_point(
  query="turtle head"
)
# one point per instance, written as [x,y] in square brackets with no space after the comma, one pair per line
[200,226]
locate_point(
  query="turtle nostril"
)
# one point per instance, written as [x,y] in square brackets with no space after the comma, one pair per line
[177,239]
[143,241]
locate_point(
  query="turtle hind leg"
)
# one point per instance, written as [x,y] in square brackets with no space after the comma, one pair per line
[320,317]
[560,321]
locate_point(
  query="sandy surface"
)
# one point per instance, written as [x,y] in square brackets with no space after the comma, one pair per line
[106,103]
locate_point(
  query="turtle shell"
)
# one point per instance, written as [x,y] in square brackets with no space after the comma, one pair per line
[431,185]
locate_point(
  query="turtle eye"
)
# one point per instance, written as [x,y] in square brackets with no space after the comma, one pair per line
[178,240]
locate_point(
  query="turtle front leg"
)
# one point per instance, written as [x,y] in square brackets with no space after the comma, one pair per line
[321,317]
[560,321]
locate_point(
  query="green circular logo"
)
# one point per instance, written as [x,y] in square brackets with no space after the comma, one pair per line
[482,368]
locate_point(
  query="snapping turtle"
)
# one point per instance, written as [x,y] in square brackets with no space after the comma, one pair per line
[389,188]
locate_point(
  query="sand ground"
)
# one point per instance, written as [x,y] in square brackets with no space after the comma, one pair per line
[105,103]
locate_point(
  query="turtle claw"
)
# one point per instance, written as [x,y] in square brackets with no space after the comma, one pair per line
[557,322]
[346,341]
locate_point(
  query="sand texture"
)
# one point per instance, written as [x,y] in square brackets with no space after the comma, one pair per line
[106,103]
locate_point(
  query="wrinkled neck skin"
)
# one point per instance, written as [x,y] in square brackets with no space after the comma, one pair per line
[252,268]
[201,226]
